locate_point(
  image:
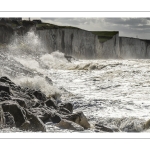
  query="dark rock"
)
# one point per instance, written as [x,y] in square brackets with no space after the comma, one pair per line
[9,120]
[42,113]
[21,102]
[2,118]
[36,104]
[147,124]
[39,95]
[132,124]
[68,106]
[51,103]
[6,80]
[55,118]
[63,111]
[66,124]
[4,96]
[103,128]
[5,89]
[78,118]
[29,92]
[22,95]
[15,87]
[49,80]
[33,123]
[69,58]
[15,110]
[10,83]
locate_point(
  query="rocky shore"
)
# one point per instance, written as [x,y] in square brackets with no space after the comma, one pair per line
[29,110]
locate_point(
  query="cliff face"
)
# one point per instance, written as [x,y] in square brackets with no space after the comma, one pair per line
[108,49]
[79,43]
[75,42]
[6,33]
[134,48]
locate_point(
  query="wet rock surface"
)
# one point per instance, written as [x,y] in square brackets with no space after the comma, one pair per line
[29,110]
[66,124]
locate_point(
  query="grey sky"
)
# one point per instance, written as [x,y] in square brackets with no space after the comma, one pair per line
[129,27]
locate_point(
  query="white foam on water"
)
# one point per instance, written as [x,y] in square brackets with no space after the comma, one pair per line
[55,60]
[102,88]
[30,44]
[30,63]
[120,89]
[37,83]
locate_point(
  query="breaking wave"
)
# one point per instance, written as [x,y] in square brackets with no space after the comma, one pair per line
[28,63]
[29,44]
[38,83]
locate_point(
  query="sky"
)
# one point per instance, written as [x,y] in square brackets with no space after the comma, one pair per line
[128,27]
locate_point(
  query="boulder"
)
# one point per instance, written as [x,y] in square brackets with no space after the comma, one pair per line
[28,92]
[103,128]
[5,89]
[132,124]
[4,96]
[6,80]
[78,118]
[21,102]
[10,83]
[35,105]
[66,124]
[63,111]
[39,95]
[51,103]
[147,124]
[55,118]
[9,120]
[15,110]
[2,118]
[33,124]
[68,106]
[42,113]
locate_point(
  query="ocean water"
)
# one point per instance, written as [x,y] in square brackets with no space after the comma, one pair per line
[111,92]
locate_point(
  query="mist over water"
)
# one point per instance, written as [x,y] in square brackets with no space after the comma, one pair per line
[111,92]
[29,44]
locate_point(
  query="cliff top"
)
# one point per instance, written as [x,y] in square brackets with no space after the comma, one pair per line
[39,25]
[105,35]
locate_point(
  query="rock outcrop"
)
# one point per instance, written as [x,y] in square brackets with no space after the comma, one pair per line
[29,110]
[65,124]
[2,118]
